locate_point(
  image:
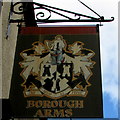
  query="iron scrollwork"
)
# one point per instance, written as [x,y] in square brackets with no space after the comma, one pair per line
[58,11]
[44,14]
[17,8]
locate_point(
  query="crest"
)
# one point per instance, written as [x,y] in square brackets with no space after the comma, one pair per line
[56,69]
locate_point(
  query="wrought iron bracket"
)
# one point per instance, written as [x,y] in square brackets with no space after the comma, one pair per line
[44,14]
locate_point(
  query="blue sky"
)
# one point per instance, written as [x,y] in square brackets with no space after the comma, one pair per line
[109,45]
[109,108]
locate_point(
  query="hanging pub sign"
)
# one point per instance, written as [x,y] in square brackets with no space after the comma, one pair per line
[57,73]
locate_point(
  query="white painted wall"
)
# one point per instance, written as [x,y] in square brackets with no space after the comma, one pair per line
[7,49]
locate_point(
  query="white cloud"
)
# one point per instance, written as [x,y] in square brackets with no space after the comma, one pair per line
[109,54]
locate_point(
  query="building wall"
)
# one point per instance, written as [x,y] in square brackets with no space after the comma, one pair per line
[9,38]
[0,51]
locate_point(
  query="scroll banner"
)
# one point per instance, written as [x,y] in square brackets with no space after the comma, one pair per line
[57,73]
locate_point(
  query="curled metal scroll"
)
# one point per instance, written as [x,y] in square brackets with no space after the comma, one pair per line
[43,14]
[17,8]
[112,18]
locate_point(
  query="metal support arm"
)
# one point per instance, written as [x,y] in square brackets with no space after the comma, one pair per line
[42,10]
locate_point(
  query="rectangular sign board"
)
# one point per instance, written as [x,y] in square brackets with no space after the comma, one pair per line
[57,73]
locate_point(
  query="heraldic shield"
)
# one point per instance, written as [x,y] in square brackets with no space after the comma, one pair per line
[56,73]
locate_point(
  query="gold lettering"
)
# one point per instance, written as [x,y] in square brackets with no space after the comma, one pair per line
[59,113]
[54,104]
[38,104]
[39,114]
[46,104]
[79,104]
[62,103]
[70,104]
[68,113]
[30,103]
[48,112]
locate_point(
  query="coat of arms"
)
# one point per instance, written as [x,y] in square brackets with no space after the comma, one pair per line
[56,69]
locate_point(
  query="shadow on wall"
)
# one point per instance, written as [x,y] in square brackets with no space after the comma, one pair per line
[0,7]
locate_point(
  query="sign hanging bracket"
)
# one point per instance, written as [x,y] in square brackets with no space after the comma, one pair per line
[45,12]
